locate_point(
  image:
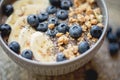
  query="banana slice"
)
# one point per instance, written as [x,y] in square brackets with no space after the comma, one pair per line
[16,28]
[26,7]
[27,37]
[42,47]
[9,20]
[24,37]
[21,3]
[33,9]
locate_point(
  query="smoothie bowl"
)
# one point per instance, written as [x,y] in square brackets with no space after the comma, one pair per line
[52,37]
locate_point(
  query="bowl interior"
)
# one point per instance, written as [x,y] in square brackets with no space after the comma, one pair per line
[101,4]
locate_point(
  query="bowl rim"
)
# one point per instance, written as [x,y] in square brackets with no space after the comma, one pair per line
[66,61]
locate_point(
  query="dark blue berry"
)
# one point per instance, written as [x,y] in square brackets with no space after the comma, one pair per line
[118,33]
[65,4]
[83,47]
[0,26]
[119,44]
[109,30]
[96,31]
[75,31]
[5,29]
[7,9]
[112,37]
[14,46]
[71,2]
[28,54]
[42,27]
[62,14]
[52,33]
[55,2]
[60,57]
[62,28]
[33,20]
[43,16]
[51,10]
[91,75]
[113,48]
[53,20]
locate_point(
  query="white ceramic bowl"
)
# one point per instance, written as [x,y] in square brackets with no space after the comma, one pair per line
[60,67]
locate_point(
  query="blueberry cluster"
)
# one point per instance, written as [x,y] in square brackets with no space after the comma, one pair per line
[55,14]
[5,29]
[15,47]
[114,40]
[59,11]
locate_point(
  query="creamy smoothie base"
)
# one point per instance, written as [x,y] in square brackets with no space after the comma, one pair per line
[45,48]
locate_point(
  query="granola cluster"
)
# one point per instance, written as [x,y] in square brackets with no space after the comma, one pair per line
[85,13]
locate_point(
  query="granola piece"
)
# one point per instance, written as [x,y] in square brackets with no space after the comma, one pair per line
[71,52]
[89,36]
[100,25]
[91,1]
[72,20]
[59,34]
[62,40]
[61,48]
[88,24]
[81,18]
[84,28]
[89,11]
[94,21]
[94,40]
[51,26]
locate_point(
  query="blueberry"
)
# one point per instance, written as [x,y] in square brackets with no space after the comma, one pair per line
[53,20]
[42,27]
[91,75]
[0,26]
[28,54]
[119,44]
[33,20]
[55,2]
[14,46]
[5,29]
[83,47]
[51,10]
[109,30]
[62,14]
[96,31]
[112,37]
[43,16]
[65,4]
[75,31]
[60,57]
[71,2]
[113,48]
[118,33]
[62,28]
[52,33]
[7,9]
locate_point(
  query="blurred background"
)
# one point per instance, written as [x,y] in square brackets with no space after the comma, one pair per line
[106,66]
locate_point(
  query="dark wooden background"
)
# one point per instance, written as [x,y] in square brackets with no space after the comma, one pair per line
[108,67]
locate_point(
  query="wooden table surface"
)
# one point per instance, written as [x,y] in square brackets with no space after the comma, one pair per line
[108,67]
